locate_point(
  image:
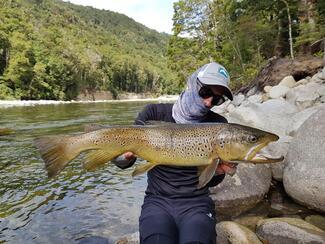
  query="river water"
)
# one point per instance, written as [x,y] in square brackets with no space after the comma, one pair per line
[76,204]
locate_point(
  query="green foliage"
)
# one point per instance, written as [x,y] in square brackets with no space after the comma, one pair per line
[50,49]
[241,35]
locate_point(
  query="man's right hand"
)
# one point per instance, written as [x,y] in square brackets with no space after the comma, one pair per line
[125,160]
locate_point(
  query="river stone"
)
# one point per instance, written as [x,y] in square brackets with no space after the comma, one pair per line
[129,239]
[304,174]
[273,115]
[249,221]
[316,220]
[277,149]
[233,233]
[304,96]
[257,98]
[288,81]
[289,231]
[278,91]
[242,191]
[238,99]
[267,89]
[299,118]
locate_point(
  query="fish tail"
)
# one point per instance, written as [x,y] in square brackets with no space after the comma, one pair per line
[56,153]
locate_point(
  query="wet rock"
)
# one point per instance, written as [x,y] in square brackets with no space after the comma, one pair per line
[289,230]
[129,239]
[316,220]
[231,232]
[94,240]
[249,221]
[242,191]
[304,174]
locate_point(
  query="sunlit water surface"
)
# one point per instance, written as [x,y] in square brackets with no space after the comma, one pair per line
[76,204]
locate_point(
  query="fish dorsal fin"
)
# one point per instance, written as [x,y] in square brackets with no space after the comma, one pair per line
[207,173]
[141,169]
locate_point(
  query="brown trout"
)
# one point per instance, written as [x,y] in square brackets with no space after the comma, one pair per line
[201,145]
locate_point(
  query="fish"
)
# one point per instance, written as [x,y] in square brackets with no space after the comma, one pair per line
[204,145]
[5,131]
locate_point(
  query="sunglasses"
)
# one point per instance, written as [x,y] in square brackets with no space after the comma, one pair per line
[206,92]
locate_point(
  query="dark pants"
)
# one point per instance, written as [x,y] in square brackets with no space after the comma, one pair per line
[182,221]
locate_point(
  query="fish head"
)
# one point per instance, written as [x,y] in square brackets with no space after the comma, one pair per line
[239,143]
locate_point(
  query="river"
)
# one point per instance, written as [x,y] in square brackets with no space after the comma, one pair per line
[76,204]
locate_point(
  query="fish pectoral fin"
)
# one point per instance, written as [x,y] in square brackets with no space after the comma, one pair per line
[96,158]
[141,169]
[207,173]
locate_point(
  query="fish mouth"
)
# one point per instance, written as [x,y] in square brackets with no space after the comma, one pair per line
[257,156]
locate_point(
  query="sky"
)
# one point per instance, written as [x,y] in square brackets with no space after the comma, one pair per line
[155,14]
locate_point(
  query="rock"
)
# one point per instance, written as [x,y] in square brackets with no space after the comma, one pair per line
[316,220]
[129,239]
[304,96]
[302,82]
[288,230]
[233,233]
[273,115]
[257,98]
[267,89]
[318,77]
[288,81]
[94,240]
[299,118]
[238,99]
[276,149]
[242,191]
[249,221]
[252,91]
[278,91]
[304,174]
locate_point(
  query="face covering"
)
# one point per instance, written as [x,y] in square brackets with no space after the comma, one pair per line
[189,107]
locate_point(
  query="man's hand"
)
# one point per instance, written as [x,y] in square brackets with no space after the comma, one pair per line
[226,168]
[129,156]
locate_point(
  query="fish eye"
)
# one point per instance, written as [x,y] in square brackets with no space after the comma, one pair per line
[252,138]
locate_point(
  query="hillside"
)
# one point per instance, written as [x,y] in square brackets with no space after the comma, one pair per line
[51,49]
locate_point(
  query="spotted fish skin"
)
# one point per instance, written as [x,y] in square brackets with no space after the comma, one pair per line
[201,145]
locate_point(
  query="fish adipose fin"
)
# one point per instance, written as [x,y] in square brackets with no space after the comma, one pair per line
[96,158]
[141,169]
[207,173]
[55,153]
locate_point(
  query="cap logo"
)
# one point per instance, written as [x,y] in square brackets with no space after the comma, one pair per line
[223,72]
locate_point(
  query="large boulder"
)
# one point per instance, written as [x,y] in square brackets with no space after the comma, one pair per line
[277,149]
[273,115]
[304,96]
[242,191]
[289,231]
[233,233]
[304,174]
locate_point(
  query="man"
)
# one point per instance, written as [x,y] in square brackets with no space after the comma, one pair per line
[174,210]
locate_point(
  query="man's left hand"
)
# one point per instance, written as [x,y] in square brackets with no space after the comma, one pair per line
[226,168]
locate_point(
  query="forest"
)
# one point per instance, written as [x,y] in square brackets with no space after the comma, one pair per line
[51,49]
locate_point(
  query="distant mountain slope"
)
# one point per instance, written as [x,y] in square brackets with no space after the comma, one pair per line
[51,49]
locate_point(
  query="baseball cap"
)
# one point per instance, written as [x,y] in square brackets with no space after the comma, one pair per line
[214,74]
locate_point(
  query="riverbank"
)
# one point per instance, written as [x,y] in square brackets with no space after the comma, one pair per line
[22,103]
